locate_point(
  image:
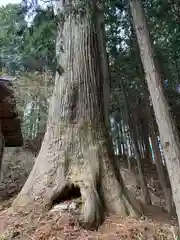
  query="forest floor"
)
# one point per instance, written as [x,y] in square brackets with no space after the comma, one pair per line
[59,224]
[62,225]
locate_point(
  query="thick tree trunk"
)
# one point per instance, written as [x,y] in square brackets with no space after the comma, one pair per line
[165,122]
[76,147]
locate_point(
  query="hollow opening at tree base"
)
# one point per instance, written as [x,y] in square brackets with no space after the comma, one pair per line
[69,192]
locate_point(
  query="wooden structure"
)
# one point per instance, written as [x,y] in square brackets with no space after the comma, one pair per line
[10,126]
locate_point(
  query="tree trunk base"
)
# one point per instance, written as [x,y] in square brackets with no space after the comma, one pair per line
[87,166]
[92,212]
[93,206]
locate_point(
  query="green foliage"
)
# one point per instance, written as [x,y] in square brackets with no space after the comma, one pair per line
[31,48]
[11,24]
[39,42]
[28,51]
[24,47]
[165,29]
[125,62]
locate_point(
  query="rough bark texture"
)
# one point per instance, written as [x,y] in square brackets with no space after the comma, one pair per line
[160,170]
[166,125]
[158,161]
[76,147]
[152,129]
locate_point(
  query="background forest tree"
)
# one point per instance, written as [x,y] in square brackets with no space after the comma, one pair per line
[29,54]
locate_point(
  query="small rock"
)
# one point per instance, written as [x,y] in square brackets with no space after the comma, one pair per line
[60,207]
[73,206]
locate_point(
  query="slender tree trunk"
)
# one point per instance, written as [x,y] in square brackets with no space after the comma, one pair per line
[160,169]
[130,150]
[128,155]
[145,135]
[152,127]
[124,136]
[165,122]
[127,135]
[118,138]
[76,146]
[2,144]
[157,155]
[158,159]
[117,119]
[144,187]
[121,135]
[32,120]
[141,145]
[39,116]
[131,142]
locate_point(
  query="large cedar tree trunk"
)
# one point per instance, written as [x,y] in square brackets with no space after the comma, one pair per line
[76,147]
[166,124]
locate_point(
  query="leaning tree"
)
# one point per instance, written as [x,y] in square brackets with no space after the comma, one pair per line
[167,128]
[76,148]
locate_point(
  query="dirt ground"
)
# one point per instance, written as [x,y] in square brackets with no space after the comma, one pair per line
[62,225]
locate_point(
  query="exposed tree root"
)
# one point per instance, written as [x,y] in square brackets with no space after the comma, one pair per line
[92,212]
[82,166]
